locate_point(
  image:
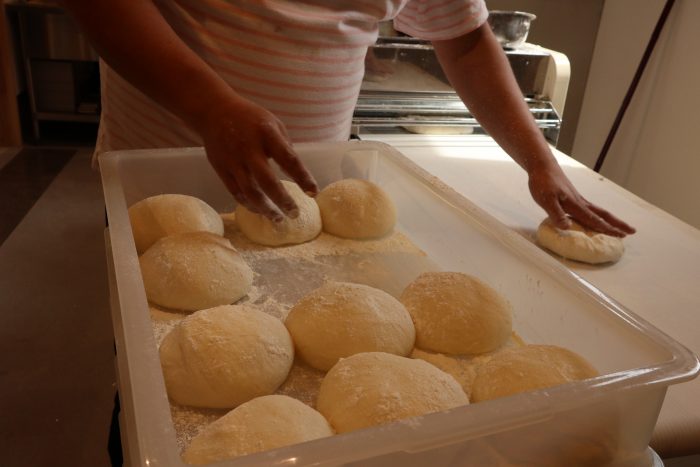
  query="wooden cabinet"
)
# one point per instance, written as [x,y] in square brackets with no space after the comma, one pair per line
[59,67]
[10,134]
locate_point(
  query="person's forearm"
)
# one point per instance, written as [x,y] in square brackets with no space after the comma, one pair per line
[239,136]
[480,73]
[135,40]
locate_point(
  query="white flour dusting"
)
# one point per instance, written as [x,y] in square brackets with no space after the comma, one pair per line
[285,274]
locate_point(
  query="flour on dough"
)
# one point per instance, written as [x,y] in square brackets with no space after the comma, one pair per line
[194,270]
[161,215]
[455,313]
[580,244]
[357,209]
[528,368]
[264,423]
[340,319]
[375,388]
[303,228]
[224,356]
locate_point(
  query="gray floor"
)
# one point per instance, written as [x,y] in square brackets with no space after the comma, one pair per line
[56,356]
[6,154]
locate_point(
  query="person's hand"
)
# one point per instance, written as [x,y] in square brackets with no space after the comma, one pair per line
[377,70]
[553,191]
[240,138]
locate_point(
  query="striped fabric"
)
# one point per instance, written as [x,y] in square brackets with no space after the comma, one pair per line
[303,60]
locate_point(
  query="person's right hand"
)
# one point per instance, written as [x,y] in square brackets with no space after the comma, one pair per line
[240,138]
[554,192]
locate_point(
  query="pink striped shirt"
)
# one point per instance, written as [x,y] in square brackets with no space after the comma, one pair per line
[303,60]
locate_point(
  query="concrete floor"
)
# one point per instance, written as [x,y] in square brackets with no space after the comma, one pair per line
[56,354]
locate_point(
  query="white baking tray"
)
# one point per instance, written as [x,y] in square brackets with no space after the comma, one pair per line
[567,425]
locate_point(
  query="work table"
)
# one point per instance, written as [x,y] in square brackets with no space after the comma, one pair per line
[657,278]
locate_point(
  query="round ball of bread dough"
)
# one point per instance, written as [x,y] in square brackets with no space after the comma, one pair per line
[455,313]
[259,229]
[195,270]
[162,215]
[375,388]
[264,423]
[225,356]
[528,368]
[580,244]
[341,319]
[356,209]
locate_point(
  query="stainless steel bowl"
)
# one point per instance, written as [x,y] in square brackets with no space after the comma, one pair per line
[510,27]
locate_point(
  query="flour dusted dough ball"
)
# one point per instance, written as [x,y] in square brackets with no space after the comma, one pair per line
[195,270]
[375,388]
[341,319]
[262,230]
[224,356]
[264,423]
[158,216]
[528,368]
[579,243]
[357,209]
[456,313]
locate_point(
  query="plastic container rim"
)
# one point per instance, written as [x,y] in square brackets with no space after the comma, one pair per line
[532,406]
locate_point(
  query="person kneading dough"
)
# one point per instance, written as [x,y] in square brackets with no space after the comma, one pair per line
[456,313]
[193,271]
[341,319]
[356,209]
[162,215]
[264,423]
[289,231]
[580,244]
[528,368]
[375,388]
[225,356]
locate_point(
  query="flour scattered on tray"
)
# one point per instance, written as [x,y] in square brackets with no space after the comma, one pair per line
[323,245]
[285,274]
[189,421]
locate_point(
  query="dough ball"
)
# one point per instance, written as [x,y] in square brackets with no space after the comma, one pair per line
[193,271]
[162,215]
[264,423]
[579,243]
[262,230]
[528,368]
[455,313]
[375,388]
[357,209]
[341,319]
[224,356]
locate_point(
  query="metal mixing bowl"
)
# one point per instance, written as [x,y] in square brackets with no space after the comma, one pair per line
[510,27]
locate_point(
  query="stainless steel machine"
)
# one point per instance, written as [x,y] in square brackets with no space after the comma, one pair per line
[405,90]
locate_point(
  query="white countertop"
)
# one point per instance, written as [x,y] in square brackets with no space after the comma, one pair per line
[658,278]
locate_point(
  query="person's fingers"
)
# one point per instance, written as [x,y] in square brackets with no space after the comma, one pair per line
[612,219]
[589,219]
[281,151]
[556,213]
[271,186]
[229,182]
[256,200]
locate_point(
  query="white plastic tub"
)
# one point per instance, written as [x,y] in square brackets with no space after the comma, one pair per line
[605,420]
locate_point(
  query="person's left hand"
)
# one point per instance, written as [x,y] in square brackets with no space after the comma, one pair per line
[555,193]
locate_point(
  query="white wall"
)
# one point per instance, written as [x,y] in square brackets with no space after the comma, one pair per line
[570,27]
[656,153]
